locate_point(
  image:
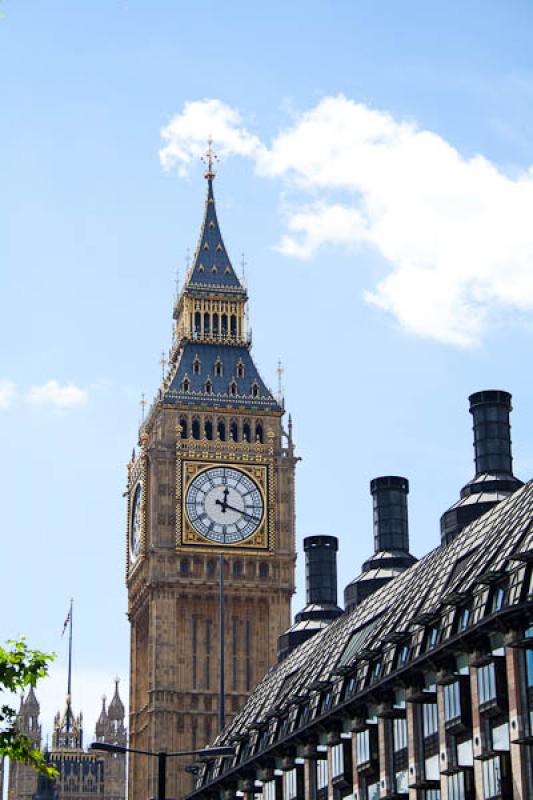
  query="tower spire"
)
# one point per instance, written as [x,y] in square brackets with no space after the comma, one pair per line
[211,266]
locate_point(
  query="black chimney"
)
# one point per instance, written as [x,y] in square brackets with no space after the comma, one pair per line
[494,477]
[391,529]
[391,540]
[321,570]
[492,432]
[320,590]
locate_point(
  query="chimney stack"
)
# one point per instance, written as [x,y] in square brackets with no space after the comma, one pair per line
[494,477]
[321,570]
[320,590]
[391,540]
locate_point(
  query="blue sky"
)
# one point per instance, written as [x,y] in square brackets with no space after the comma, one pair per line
[374,170]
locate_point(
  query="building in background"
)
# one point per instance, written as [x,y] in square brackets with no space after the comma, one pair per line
[82,774]
[423,690]
[212,485]
[22,781]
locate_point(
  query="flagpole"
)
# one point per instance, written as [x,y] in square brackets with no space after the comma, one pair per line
[69,686]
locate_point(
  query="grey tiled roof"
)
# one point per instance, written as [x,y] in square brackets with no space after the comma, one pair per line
[229,357]
[212,267]
[482,548]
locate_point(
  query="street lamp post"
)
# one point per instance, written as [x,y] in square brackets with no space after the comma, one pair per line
[161,755]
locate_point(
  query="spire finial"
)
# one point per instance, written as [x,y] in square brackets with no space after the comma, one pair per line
[163,361]
[209,159]
[280,370]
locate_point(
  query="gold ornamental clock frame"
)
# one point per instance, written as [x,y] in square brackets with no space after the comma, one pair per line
[256,461]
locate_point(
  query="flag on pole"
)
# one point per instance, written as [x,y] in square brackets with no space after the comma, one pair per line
[65,624]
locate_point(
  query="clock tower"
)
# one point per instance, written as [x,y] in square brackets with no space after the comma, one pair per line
[213,476]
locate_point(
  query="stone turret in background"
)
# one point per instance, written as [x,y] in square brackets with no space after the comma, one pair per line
[494,479]
[110,729]
[23,779]
[391,540]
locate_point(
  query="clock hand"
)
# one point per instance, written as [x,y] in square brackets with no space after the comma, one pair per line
[242,511]
[223,503]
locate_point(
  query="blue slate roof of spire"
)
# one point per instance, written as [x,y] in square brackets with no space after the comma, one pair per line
[219,365]
[212,267]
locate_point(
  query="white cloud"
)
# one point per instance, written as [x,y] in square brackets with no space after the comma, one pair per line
[53,394]
[8,391]
[187,133]
[456,232]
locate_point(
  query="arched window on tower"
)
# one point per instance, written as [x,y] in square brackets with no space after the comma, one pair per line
[259,433]
[233,325]
[240,369]
[233,430]
[215,324]
[224,325]
[208,386]
[246,432]
[197,323]
[221,430]
[196,366]
[186,385]
[233,389]
[196,428]
[208,429]
[218,368]
[207,324]
[255,389]
[183,423]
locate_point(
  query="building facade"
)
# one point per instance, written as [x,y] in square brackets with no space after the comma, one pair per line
[212,484]
[82,774]
[22,781]
[423,691]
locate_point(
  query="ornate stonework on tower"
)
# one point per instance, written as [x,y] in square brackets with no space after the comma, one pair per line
[23,779]
[110,729]
[214,474]
[82,774]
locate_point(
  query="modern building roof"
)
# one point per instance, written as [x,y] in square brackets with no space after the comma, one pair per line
[489,552]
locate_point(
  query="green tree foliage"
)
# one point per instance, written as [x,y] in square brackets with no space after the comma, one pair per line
[21,667]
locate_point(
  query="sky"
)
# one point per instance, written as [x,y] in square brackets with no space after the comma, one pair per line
[376,170]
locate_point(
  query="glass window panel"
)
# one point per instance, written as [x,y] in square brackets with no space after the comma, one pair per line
[430,719]
[500,737]
[465,754]
[432,768]
[402,781]
[322,773]
[372,791]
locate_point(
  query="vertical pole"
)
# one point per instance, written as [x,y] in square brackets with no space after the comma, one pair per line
[222,690]
[69,682]
[161,775]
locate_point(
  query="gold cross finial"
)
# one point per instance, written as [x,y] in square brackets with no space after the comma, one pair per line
[163,361]
[209,159]
[280,370]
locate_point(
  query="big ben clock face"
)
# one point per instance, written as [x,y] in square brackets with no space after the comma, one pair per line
[136,522]
[224,504]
